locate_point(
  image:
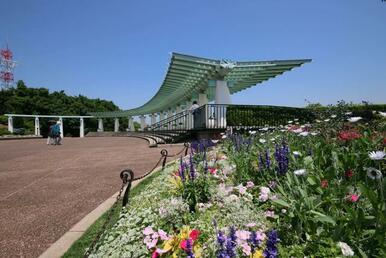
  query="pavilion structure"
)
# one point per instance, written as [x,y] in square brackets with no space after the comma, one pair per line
[190,78]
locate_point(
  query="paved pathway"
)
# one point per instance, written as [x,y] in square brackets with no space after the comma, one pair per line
[45,190]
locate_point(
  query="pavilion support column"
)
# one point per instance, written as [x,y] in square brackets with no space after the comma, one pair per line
[161,116]
[153,119]
[143,122]
[10,124]
[170,113]
[223,96]
[189,117]
[37,126]
[116,124]
[81,127]
[100,125]
[130,124]
[202,99]
[61,127]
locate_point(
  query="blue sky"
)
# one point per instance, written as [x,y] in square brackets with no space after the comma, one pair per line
[119,50]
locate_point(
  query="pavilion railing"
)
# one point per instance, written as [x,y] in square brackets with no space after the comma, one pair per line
[219,116]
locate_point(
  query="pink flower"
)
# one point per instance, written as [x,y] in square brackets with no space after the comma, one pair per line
[250,184]
[194,234]
[324,183]
[260,236]
[163,235]
[243,234]
[269,214]
[273,197]
[155,254]
[242,189]
[148,231]
[250,225]
[213,171]
[150,243]
[184,242]
[353,197]
[246,248]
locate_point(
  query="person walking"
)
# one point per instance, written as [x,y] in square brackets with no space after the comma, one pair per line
[50,137]
[56,133]
[192,114]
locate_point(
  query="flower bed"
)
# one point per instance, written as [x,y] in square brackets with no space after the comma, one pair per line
[294,191]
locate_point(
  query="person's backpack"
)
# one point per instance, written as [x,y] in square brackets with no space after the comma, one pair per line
[55,130]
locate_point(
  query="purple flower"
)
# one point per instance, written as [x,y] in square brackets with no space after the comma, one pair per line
[281,156]
[270,250]
[192,172]
[267,159]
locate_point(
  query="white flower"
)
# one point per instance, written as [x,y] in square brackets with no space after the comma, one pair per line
[300,172]
[252,132]
[354,119]
[273,139]
[304,133]
[262,140]
[318,121]
[374,173]
[314,133]
[326,120]
[346,249]
[377,155]
[348,113]
[214,141]
[296,153]
[382,113]
[296,119]
[290,122]
[224,136]
[333,116]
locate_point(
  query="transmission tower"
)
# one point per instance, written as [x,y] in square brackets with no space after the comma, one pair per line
[7,66]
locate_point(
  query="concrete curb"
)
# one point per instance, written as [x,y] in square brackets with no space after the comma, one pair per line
[60,247]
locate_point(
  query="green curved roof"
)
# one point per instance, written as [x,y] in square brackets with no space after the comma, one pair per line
[187,76]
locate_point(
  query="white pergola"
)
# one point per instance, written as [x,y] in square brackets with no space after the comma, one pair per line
[37,122]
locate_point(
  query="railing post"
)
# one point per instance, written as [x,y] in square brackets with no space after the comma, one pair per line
[37,126]
[130,124]
[116,124]
[100,125]
[81,127]
[61,127]
[10,124]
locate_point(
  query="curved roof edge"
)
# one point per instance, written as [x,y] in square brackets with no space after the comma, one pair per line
[187,76]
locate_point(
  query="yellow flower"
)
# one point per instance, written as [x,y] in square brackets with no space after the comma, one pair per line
[257,254]
[170,244]
[176,184]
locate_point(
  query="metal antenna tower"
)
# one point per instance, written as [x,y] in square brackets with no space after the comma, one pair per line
[7,66]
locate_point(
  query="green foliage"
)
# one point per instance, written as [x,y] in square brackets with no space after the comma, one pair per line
[265,115]
[39,101]
[318,209]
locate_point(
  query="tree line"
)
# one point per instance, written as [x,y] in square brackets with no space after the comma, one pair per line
[40,101]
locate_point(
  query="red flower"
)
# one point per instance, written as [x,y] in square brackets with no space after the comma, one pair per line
[155,254]
[213,171]
[349,173]
[184,243]
[353,197]
[194,234]
[348,135]
[384,141]
[324,183]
